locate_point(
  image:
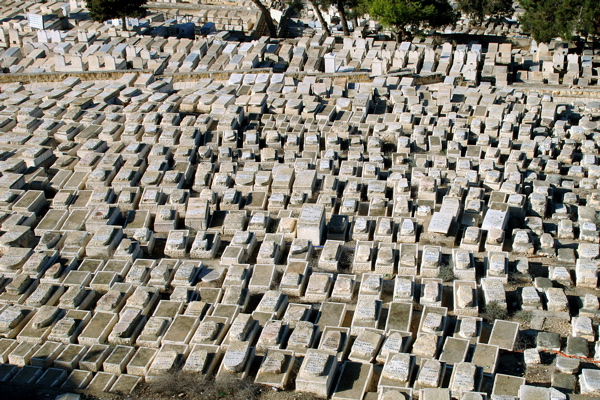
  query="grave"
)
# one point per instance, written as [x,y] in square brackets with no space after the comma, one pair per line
[276,368]
[316,373]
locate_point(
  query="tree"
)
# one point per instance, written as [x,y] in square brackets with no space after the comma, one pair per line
[315,7]
[353,10]
[407,18]
[103,10]
[268,19]
[541,20]
[589,24]
[357,10]
[549,19]
[479,9]
[342,7]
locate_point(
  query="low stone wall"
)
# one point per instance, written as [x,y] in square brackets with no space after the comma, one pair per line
[61,76]
[560,94]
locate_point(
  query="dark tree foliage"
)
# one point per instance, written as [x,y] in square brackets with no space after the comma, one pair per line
[549,19]
[541,19]
[104,10]
[480,9]
[407,18]
[589,18]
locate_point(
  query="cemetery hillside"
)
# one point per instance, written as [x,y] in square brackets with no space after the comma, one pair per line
[299,199]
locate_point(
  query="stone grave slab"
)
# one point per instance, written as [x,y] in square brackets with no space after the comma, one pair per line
[316,373]
[102,381]
[331,314]
[454,350]
[276,368]
[355,379]
[397,371]
[504,334]
[125,384]
[507,385]
[237,361]
[203,359]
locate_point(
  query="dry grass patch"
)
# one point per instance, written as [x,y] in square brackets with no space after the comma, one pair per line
[191,386]
[195,386]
